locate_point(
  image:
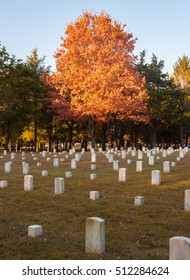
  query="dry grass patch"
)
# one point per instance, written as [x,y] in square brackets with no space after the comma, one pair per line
[131,232]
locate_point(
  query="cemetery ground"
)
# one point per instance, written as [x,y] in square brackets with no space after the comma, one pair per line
[131,232]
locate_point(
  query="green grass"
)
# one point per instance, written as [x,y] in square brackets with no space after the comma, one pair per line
[131,232]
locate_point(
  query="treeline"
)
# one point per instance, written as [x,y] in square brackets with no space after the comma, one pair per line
[143,106]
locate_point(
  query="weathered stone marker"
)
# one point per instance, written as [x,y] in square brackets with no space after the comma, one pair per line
[151,160]
[93,176]
[155,179]
[94,195]
[139,200]
[28,183]
[44,173]
[8,167]
[179,248]
[187,200]
[95,235]
[3,184]
[25,167]
[116,165]
[93,157]
[73,163]
[122,174]
[59,187]
[68,174]
[166,166]
[34,230]
[93,166]
[139,166]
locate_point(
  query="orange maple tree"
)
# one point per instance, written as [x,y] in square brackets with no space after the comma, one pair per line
[96,73]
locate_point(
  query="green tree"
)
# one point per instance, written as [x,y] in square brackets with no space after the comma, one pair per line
[181,77]
[164,101]
[14,82]
[38,93]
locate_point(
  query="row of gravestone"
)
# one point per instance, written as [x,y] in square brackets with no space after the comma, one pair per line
[179,246]
[176,242]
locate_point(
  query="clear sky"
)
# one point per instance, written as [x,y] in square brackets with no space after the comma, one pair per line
[161,26]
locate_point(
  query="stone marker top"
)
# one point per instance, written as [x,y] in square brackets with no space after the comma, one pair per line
[181,238]
[97,219]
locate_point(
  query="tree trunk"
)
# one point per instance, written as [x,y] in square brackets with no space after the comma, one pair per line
[181,134]
[91,125]
[35,135]
[104,136]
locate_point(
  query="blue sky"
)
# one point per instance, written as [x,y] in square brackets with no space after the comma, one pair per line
[161,26]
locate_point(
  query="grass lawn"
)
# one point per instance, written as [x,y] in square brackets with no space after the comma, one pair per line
[132,232]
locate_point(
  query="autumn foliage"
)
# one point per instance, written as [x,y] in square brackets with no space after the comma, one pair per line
[95,71]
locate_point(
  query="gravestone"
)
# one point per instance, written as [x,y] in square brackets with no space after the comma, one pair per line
[155,177]
[187,200]
[59,187]
[25,167]
[110,158]
[122,174]
[139,166]
[116,165]
[73,163]
[68,174]
[34,230]
[123,154]
[56,162]
[77,157]
[179,248]
[95,235]
[93,166]
[139,200]
[93,176]
[94,195]
[140,154]
[166,166]
[44,173]
[28,183]
[3,184]
[12,156]
[151,160]
[93,157]
[8,167]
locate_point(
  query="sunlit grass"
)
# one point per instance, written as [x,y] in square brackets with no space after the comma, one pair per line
[131,232]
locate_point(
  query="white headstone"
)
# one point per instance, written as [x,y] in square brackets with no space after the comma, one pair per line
[116,165]
[93,157]
[68,174]
[8,167]
[25,167]
[93,176]
[166,166]
[139,166]
[93,166]
[95,235]
[12,156]
[187,200]
[123,154]
[94,195]
[28,182]
[59,185]
[151,160]
[73,163]
[155,177]
[139,200]
[34,230]
[122,174]
[44,173]
[56,162]
[3,184]
[179,248]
